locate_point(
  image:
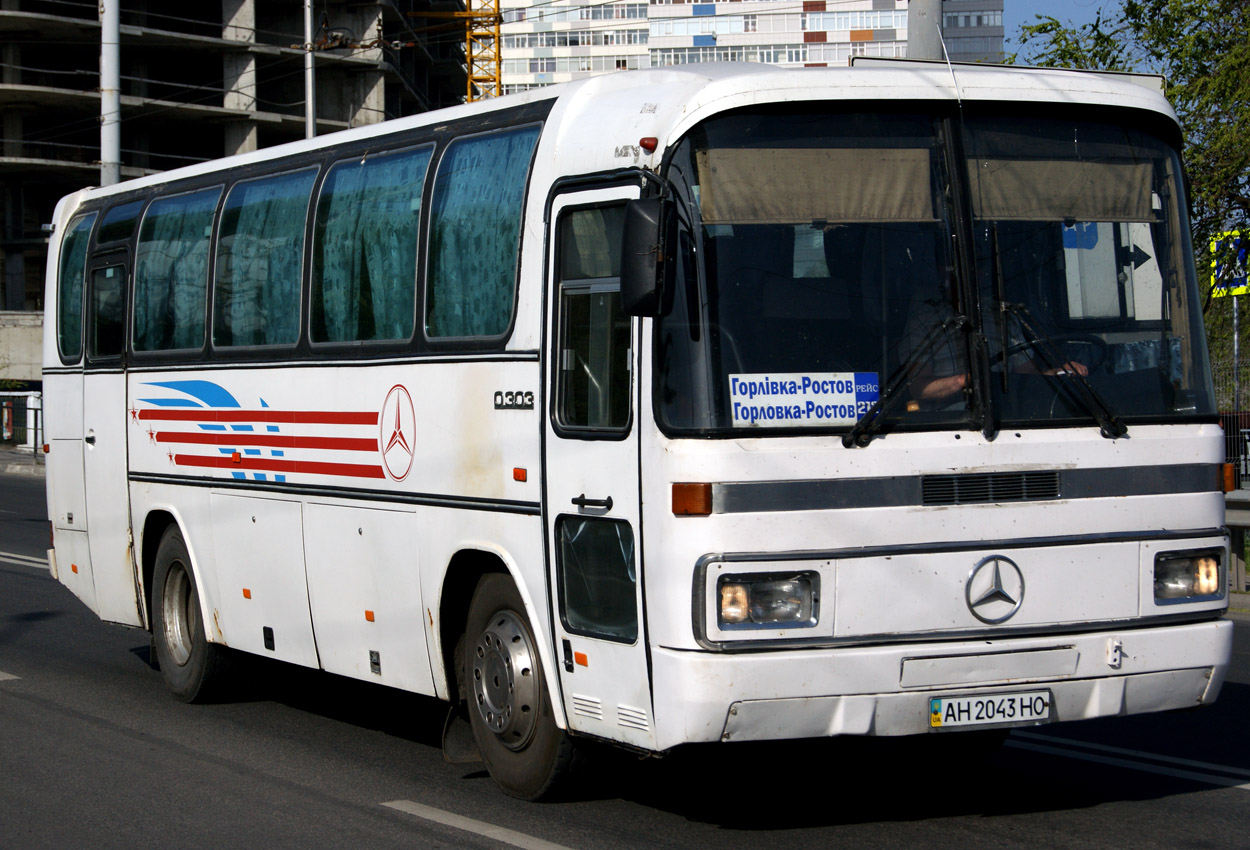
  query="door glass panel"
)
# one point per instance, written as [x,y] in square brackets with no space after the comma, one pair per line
[108,310]
[594,345]
[597,578]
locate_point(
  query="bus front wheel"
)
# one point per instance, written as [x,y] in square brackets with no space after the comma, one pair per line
[190,665]
[509,707]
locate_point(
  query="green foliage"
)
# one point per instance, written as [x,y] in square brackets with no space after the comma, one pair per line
[1202,49]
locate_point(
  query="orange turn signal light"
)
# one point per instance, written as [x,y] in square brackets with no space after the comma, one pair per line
[1228,477]
[692,499]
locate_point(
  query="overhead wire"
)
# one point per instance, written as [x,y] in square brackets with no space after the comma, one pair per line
[435,39]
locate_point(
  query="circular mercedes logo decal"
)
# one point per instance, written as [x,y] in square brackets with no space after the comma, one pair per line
[398,432]
[995,589]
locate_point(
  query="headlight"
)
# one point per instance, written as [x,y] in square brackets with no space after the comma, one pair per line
[768,601]
[1188,575]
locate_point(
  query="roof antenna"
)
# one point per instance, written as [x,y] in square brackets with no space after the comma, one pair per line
[949,66]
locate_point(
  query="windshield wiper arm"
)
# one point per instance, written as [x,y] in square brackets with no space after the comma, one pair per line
[873,420]
[1108,423]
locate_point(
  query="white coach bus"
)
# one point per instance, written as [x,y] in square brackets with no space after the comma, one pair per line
[726,403]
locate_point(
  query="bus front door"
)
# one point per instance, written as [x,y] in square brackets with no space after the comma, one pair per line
[592,480]
[104,417]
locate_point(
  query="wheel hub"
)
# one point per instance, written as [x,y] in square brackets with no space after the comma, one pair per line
[505,689]
[180,615]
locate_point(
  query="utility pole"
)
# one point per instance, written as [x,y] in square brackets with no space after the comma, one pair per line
[310,78]
[924,29]
[110,93]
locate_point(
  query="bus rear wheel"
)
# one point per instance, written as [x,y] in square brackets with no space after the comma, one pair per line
[509,707]
[191,666]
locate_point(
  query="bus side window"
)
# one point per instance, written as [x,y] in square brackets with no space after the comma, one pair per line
[364,274]
[594,332]
[71,276]
[171,271]
[475,230]
[260,249]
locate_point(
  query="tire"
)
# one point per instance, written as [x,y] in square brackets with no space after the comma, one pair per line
[192,667]
[509,707]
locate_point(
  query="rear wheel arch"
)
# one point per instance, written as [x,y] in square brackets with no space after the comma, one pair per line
[154,526]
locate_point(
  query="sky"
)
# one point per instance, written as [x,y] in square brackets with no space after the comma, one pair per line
[1017,12]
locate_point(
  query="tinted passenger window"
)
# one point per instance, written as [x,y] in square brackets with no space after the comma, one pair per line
[119,222]
[72,273]
[475,226]
[365,248]
[260,249]
[171,272]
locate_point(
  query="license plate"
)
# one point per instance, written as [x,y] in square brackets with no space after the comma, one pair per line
[989,709]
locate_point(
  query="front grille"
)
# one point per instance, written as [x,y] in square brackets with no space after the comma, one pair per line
[989,487]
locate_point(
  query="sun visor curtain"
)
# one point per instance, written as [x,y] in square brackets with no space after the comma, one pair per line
[800,185]
[1058,189]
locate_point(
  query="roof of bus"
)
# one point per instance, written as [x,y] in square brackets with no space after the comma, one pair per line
[606,112]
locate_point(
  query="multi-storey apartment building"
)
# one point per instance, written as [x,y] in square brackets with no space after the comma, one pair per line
[553,41]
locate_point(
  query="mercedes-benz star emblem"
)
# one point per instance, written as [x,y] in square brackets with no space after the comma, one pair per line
[398,430]
[995,589]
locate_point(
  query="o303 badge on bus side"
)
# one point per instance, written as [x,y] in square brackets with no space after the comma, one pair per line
[518,400]
[801,399]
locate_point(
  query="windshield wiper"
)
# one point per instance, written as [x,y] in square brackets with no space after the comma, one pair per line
[874,419]
[1109,425]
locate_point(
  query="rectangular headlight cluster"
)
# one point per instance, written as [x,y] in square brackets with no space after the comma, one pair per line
[768,601]
[1189,576]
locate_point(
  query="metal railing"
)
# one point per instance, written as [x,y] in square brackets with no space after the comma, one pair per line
[21,421]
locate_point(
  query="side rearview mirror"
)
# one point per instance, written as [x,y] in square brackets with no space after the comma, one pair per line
[645,261]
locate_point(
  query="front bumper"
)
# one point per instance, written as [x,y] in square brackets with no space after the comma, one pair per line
[885,690]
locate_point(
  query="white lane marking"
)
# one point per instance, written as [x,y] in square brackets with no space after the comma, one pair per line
[1141,754]
[1208,778]
[4,677]
[488,830]
[23,560]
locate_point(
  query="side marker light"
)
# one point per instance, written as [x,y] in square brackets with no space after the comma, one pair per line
[247,593]
[368,616]
[580,659]
[649,143]
[692,499]
[519,474]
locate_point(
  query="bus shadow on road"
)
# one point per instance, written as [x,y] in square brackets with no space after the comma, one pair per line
[829,782]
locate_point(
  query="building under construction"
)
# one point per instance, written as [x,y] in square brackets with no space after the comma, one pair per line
[200,79]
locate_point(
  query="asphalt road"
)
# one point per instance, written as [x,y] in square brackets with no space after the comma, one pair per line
[94,752]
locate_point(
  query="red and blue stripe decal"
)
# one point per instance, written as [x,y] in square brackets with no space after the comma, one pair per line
[191,418]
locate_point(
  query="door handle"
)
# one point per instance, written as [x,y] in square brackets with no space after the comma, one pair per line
[89,439]
[582,502]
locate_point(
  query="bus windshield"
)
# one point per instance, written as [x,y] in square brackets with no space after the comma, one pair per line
[830,257]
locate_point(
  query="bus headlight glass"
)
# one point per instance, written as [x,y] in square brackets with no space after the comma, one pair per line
[768,601]
[1188,575]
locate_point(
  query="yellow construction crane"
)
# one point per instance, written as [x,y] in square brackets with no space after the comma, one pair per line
[481,46]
